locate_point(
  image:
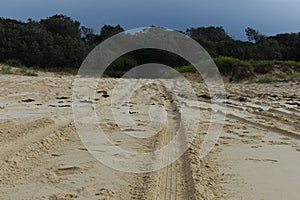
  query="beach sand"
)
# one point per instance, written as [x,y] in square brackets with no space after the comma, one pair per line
[42,157]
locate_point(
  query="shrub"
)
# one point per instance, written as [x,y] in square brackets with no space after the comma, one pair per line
[262,66]
[279,77]
[5,70]
[29,73]
[265,80]
[25,72]
[184,69]
[227,65]
[14,63]
[266,66]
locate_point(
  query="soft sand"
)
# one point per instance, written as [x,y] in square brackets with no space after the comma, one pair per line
[42,157]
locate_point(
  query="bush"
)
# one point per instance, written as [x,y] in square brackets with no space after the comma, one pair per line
[227,65]
[5,70]
[184,69]
[31,74]
[14,63]
[295,64]
[279,77]
[25,72]
[265,80]
[60,70]
[262,66]
[266,66]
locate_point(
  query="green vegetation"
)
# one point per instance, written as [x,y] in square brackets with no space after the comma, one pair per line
[59,44]
[280,77]
[185,69]
[60,71]
[261,71]
[14,63]
[227,65]
[266,66]
[5,69]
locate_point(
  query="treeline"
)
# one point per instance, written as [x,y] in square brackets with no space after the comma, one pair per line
[259,47]
[61,42]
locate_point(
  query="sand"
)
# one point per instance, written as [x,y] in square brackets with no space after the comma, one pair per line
[42,156]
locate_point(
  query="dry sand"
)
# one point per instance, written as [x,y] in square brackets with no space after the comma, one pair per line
[42,156]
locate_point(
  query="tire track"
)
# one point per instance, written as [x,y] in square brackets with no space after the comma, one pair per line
[174,182]
[177,183]
[34,133]
[252,117]
[273,129]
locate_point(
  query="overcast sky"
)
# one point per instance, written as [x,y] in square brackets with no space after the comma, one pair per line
[268,16]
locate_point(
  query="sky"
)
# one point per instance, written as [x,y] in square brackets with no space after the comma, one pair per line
[269,17]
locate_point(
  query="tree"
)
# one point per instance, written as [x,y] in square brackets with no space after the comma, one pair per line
[60,41]
[108,31]
[211,33]
[234,48]
[88,36]
[253,35]
[289,45]
[269,49]
[62,25]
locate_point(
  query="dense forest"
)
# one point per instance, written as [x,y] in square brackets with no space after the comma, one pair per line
[61,42]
